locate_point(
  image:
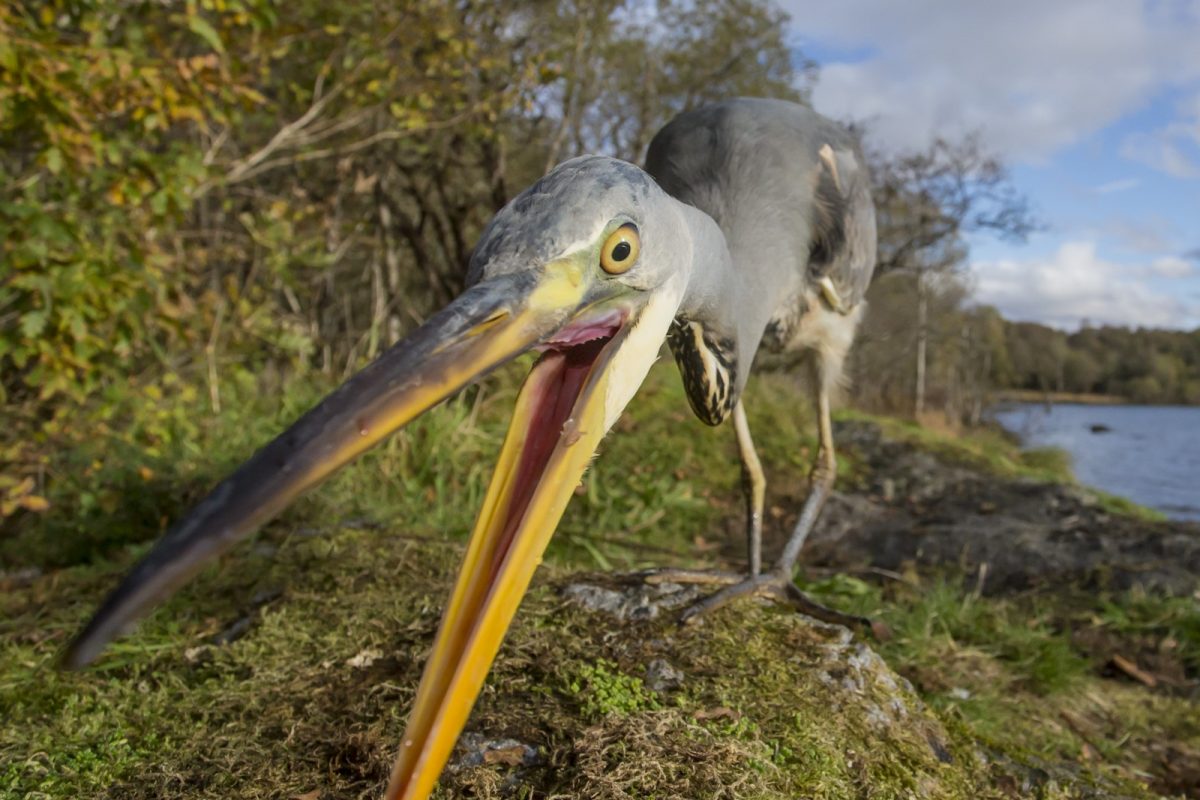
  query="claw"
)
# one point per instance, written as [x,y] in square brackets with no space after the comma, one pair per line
[773,585]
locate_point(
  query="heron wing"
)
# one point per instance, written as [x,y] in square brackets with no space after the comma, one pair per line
[789,189]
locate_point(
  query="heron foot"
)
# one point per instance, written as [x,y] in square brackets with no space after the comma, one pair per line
[774,585]
[780,588]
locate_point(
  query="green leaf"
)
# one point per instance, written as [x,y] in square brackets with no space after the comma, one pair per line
[200,27]
[54,160]
[8,56]
[33,323]
[158,202]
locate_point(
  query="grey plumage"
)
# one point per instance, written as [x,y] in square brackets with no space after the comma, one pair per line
[756,167]
[533,228]
[791,215]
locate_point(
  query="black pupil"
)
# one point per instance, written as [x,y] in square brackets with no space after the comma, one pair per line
[621,251]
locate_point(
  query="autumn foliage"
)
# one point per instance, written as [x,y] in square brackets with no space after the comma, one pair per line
[195,193]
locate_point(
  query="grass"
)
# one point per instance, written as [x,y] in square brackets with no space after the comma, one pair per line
[1030,676]
[989,449]
[1115,504]
[992,450]
[289,667]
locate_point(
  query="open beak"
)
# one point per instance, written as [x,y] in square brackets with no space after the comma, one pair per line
[579,324]
[559,419]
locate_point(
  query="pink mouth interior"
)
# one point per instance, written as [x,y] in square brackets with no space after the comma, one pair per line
[558,378]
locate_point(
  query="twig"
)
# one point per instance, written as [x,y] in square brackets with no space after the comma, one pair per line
[1133,671]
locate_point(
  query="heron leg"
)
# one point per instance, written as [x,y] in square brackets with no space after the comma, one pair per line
[777,584]
[754,487]
[823,475]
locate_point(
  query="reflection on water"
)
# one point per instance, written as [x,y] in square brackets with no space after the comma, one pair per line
[1150,454]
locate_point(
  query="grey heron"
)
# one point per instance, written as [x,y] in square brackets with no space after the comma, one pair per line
[751,227]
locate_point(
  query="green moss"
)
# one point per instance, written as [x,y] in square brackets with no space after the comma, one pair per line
[989,449]
[1052,461]
[603,689]
[1115,504]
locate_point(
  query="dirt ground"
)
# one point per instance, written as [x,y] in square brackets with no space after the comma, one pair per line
[912,509]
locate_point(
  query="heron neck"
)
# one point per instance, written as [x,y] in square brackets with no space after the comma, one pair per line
[711,285]
[711,277]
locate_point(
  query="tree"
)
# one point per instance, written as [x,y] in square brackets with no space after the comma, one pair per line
[196,194]
[624,72]
[926,202]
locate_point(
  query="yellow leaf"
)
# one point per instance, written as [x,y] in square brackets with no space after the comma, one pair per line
[31,502]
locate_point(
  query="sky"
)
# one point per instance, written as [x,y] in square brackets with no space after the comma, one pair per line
[1094,105]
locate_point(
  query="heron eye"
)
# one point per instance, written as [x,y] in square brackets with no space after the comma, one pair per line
[620,250]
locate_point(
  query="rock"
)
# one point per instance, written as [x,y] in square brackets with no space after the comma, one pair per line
[1020,533]
[855,669]
[662,677]
[476,750]
[19,579]
[365,658]
[843,515]
[638,601]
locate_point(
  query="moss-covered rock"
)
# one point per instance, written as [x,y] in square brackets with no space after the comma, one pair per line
[287,670]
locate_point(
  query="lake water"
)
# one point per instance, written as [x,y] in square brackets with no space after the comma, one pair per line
[1150,454]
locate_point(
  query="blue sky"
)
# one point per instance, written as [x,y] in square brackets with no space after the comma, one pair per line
[1095,104]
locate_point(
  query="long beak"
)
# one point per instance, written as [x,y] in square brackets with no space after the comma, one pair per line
[559,419]
[489,324]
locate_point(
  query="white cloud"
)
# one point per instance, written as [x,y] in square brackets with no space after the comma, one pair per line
[1112,187]
[1172,267]
[1034,76]
[1074,284]
[1147,234]
[1173,148]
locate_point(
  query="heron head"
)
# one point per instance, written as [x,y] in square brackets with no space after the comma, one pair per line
[573,212]
[584,267]
[610,250]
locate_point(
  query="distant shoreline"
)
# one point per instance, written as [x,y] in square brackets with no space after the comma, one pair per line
[1082,398]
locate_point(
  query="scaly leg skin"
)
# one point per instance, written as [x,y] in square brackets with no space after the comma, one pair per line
[754,485]
[776,584]
[779,587]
